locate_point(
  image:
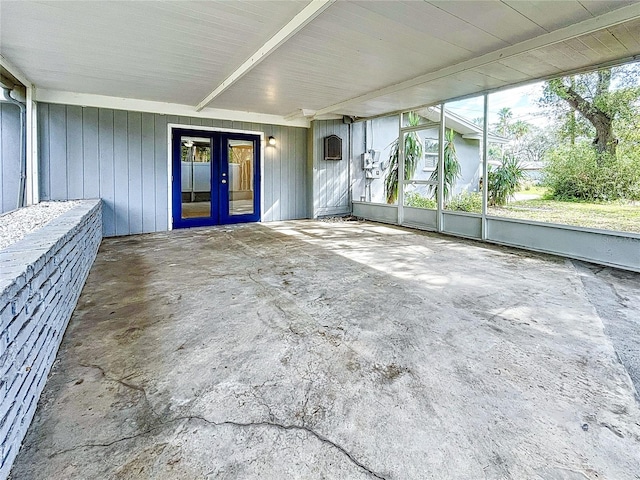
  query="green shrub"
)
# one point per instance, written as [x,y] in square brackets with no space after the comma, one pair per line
[574,172]
[466,202]
[414,199]
[504,180]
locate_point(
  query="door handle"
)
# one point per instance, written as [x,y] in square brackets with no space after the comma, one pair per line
[224,181]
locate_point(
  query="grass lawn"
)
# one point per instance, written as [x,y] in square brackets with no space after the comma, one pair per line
[535,190]
[608,216]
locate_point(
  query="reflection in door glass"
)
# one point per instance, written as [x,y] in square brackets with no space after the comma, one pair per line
[240,177]
[196,177]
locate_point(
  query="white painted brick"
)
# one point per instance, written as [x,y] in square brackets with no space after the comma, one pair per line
[40,282]
[6,315]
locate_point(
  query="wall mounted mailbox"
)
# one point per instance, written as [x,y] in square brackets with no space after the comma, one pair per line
[332,147]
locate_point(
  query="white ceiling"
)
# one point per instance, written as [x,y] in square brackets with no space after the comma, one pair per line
[359,58]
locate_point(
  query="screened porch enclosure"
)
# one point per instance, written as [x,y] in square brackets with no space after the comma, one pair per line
[340,239]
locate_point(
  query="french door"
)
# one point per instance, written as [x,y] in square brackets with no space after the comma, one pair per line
[215,178]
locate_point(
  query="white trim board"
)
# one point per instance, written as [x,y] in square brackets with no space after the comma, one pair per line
[171,126]
[163,108]
[15,72]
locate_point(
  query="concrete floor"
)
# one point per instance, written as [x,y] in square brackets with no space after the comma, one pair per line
[340,350]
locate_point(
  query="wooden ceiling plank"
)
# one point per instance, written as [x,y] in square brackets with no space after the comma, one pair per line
[418,18]
[598,7]
[610,41]
[563,12]
[578,45]
[582,28]
[624,36]
[495,18]
[311,11]
[501,72]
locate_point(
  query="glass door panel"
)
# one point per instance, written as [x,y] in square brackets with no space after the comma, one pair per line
[240,155]
[195,174]
[215,178]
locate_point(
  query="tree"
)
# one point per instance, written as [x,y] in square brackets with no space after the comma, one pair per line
[600,98]
[504,121]
[534,145]
[519,129]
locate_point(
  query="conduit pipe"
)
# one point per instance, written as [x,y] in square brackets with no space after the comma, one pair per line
[15,96]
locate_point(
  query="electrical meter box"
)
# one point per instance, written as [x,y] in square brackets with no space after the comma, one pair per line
[371,164]
[375,172]
[369,158]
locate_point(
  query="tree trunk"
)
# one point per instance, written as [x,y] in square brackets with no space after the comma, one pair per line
[605,142]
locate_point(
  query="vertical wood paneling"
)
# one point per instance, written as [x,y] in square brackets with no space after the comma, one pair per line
[58,152]
[106,162]
[311,182]
[161,172]
[321,201]
[148,173]
[75,164]
[289,192]
[331,178]
[121,166]
[91,172]
[270,184]
[315,173]
[10,156]
[277,187]
[43,149]
[122,157]
[300,178]
[135,171]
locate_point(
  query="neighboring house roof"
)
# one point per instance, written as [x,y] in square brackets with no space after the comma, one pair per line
[462,125]
[532,165]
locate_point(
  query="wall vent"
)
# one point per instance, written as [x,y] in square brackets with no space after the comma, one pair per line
[332,147]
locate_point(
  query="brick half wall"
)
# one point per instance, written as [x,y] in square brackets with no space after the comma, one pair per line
[41,278]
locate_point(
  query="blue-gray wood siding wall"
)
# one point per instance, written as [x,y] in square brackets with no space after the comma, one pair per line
[330,177]
[9,156]
[121,157]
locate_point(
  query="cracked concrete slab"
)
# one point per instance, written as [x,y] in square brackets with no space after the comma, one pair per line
[336,350]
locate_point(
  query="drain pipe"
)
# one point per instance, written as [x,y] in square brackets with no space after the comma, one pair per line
[14,96]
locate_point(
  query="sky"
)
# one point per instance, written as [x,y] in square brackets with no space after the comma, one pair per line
[521,100]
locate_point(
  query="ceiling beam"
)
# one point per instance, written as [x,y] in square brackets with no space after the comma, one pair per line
[591,25]
[308,13]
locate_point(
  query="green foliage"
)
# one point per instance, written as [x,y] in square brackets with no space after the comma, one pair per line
[534,145]
[414,199]
[575,172]
[452,167]
[412,155]
[502,127]
[504,180]
[612,91]
[466,202]
[594,104]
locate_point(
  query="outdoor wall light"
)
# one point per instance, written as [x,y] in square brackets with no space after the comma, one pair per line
[272,141]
